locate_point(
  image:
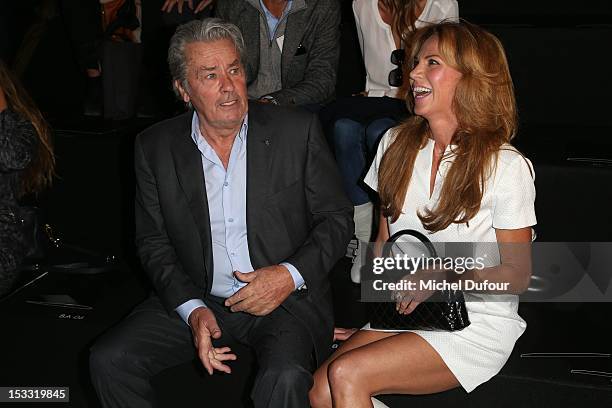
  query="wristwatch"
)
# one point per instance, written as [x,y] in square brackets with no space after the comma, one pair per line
[270,99]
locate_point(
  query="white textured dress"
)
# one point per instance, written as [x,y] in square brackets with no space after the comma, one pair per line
[478,352]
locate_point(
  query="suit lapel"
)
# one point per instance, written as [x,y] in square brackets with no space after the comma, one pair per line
[260,149]
[188,165]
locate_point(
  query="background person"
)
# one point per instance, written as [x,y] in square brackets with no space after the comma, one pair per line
[383,26]
[26,166]
[292,48]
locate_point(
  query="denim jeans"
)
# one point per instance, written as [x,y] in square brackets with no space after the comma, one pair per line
[354,144]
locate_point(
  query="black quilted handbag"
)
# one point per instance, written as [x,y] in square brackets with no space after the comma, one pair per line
[444,311]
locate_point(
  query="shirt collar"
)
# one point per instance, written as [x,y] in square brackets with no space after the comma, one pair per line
[198,138]
[271,16]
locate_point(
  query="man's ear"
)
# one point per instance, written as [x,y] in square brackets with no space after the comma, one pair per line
[182,91]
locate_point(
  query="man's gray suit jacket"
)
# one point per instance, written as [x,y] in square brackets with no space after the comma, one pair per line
[311,48]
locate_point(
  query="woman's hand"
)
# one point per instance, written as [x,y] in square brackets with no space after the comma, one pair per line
[408,300]
[169,5]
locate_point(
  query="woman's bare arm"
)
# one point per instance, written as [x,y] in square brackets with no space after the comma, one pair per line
[515,262]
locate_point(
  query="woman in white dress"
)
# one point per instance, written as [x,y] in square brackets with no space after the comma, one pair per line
[450,173]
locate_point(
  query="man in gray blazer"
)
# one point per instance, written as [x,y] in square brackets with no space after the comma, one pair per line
[292,48]
[240,215]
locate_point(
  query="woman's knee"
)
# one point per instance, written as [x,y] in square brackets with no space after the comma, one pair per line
[345,372]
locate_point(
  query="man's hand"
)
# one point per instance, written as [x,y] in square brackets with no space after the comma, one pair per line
[169,5]
[266,289]
[204,328]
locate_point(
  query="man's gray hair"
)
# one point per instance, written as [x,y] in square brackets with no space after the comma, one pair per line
[206,30]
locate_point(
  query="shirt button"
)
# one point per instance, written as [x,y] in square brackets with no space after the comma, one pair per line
[233,254]
[226,184]
[230,219]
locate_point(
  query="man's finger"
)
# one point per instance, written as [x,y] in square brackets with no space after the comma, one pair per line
[213,329]
[215,333]
[225,356]
[239,296]
[205,359]
[245,277]
[218,365]
[203,350]
[215,354]
[245,305]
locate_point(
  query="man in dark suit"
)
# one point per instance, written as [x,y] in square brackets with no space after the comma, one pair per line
[292,48]
[240,215]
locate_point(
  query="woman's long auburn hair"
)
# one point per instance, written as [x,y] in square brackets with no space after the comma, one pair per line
[485,108]
[41,169]
[405,15]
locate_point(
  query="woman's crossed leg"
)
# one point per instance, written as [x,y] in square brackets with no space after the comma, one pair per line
[370,363]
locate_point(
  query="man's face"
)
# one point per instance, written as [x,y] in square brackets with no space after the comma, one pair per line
[216,83]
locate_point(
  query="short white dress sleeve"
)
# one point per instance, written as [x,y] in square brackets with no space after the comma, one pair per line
[478,352]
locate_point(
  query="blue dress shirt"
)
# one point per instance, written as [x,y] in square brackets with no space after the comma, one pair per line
[226,191]
[271,18]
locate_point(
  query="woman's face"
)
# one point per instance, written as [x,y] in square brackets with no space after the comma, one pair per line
[433,83]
